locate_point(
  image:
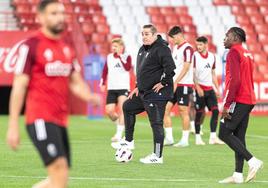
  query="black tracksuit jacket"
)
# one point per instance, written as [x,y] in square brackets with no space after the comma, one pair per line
[155,64]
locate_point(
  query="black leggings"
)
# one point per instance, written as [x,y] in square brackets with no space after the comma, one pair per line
[155,111]
[233,133]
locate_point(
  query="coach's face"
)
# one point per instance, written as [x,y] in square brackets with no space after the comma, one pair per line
[148,37]
[229,40]
[53,18]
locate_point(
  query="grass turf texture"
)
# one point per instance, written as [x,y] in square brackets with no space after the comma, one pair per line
[94,165]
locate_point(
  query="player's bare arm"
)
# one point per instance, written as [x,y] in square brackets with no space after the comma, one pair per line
[185,69]
[80,89]
[215,82]
[199,90]
[17,97]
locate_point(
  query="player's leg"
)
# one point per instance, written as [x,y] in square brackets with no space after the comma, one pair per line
[110,109]
[228,127]
[168,125]
[155,111]
[192,112]
[200,111]
[120,127]
[212,104]
[131,108]
[49,141]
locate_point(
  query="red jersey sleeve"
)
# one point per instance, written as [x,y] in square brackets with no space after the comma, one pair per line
[187,54]
[233,59]
[104,74]
[126,62]
[25,58]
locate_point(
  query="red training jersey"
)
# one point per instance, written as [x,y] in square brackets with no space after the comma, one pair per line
[239,85]
[49,64]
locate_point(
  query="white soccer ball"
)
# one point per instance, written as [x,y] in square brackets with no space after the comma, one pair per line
[123,155]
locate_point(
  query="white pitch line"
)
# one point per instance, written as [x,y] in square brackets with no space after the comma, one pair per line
[125,179]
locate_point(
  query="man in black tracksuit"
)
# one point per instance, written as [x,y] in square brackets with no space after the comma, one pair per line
[155,70]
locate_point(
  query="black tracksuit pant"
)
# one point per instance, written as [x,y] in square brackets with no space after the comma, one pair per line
[155,110]
[233,133]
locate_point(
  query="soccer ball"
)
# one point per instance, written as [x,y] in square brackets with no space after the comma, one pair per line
[123,155]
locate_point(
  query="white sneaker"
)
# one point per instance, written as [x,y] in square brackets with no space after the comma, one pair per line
[168,142]
[200,142]
[152,159]
[181,144]
[123,143]
[232,179]
[253,170]
[216,140]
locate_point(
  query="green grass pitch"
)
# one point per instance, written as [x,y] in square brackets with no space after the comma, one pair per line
[94,165]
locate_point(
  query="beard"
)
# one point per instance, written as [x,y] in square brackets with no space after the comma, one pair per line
[57,29]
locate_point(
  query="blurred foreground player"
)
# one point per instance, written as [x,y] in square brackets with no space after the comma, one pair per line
[45,72]
[238,103]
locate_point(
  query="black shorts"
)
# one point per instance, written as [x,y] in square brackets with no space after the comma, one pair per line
[50,140]
[209,99]
[113,95]
[183,95]
[238,112]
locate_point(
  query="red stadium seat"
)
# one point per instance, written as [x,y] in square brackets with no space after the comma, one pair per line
[254,48]
[266,19]
[263,38]
[162,28]
[265,49]
[167,11]
[252,10]
[261,2]
[185,19]
[256,19]
[181,10]
[234,2]
[264,9]
[249,2]
[189,28]
[219,2]
[98,38]
[261,28]
[88,29]
[103,28]
[249,29]
[99,19]
[153,10]
[260,58]
[157,19]
[92,2]
[243,20]
[171,20]
[238,9]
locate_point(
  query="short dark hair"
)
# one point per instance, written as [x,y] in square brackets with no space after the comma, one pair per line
[174,31]
[239,32]
[150,26]
[44,3]
[202,39]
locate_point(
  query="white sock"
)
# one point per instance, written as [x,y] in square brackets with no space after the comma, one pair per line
[213,135]
[119,130]
[238,175]
[252,161]
[192,125]
[198,137]
[185,136]
[168,131]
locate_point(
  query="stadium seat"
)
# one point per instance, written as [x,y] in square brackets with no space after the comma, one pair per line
[219,2]
[234,2]
[249,2]
[261,2]
[181,10]
[166,11]
[153,10]
[264,9]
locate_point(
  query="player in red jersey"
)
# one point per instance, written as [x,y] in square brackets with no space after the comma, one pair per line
[238,103]
[45,71]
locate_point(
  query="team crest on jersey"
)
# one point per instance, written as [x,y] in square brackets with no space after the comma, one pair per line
[48,54]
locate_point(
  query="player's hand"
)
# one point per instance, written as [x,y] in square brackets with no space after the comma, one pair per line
[157,87]
[225,114]
[95,99]
[102,88]
[200,92]
[175,87]
[134,92]
[13,135]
